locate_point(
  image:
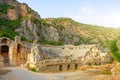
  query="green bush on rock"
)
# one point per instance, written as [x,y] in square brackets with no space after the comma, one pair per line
[7,27]
[5,7]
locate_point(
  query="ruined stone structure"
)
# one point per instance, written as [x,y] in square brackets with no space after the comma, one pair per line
[47,58]
[12,52]
[4,49]
[64,58]
[1,61]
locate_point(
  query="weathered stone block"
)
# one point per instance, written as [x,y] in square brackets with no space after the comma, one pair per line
[72,66]
[54,68]
[64,67]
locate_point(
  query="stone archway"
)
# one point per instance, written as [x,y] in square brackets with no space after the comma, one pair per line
[76,66]
[60,68]
[68,67]
[5,53]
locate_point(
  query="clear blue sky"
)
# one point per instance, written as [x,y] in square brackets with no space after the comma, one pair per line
[96,12]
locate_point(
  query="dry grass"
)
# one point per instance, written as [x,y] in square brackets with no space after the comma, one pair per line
[115,77]
[102,67]
[105,72]
[83,68]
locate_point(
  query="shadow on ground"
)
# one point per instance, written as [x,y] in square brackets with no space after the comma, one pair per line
[3,72]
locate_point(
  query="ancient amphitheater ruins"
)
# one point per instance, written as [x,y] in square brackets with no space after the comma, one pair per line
[50,58]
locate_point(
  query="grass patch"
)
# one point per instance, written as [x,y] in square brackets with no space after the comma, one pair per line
[105,72]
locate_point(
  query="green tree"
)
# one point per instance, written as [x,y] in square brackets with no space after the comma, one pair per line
[115,52]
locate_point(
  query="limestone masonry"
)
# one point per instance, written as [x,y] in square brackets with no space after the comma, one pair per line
[15,53]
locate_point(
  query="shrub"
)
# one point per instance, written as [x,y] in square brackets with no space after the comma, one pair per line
[113,46]
[83,40]
[33,69]
[35,20]
[23,38]
[115,53]
[8,26]
[61,27]
[5,7]
[105,72]
[8,34]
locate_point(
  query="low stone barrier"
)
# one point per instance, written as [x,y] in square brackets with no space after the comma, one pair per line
[59,67]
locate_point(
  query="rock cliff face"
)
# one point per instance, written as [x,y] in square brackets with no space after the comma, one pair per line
[29,29]
[12,14]
[11,2]
[72,32]
[50,33]
[29,20]
[28,24]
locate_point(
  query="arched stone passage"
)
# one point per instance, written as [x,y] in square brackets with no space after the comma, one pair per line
[18,48]
[4,40]
[60,68]
[68,67]
[5,53]
[76,66]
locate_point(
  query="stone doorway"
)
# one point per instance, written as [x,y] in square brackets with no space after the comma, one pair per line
[68,67]
[60,68]
[5,53]
[76,66]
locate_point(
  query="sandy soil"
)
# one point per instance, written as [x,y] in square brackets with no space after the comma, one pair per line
[17,73]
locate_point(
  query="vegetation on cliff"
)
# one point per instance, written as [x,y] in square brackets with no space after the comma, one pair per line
[114,47]
[7,27]
[85,33]
[5,7]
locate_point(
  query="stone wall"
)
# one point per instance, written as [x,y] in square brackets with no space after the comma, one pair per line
[70,52]
[65,58]
[17,51]
[4,50]
[60,67]
[54,68]
[1,62]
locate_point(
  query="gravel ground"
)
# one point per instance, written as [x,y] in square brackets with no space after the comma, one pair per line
[17,73]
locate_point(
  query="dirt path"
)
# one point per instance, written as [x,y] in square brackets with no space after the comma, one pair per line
[17,73]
